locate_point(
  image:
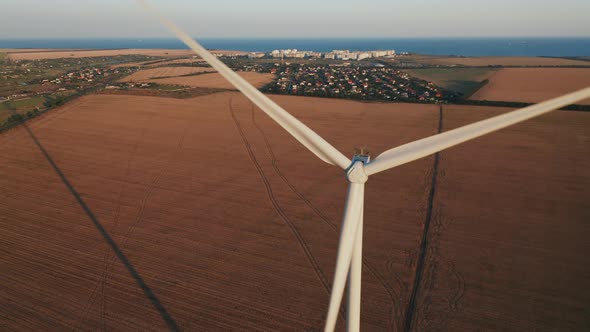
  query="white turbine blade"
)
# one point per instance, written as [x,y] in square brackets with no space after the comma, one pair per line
[427,146]
[296,128]
[350,225]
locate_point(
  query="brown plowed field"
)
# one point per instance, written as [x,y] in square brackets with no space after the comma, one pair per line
[146,213]
[509,236]
[55,54]
[178,61]
[154,63]
[24,50]
[36,54]
[215,80]
[534,84]
[230,229]
[498,61]
[147,74]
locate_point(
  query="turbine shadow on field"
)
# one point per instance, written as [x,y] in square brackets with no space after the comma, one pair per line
[170,322]
[411,308]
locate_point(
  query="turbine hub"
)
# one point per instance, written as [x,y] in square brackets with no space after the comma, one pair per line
[356,172]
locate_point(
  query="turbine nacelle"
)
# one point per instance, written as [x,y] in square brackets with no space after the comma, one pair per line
[356,172]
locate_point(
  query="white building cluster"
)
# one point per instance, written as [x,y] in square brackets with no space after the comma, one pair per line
[295,53]
[335,54]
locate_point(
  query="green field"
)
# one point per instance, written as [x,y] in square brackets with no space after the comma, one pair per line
[168,87]
[463,80]
[14,83]
[21,106]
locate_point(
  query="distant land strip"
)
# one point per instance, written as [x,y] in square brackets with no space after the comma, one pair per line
[515,104]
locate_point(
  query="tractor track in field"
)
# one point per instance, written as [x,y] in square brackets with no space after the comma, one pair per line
[118,253]
[389,290]
[302,243]
[110,259]
[411,308]
[460,287]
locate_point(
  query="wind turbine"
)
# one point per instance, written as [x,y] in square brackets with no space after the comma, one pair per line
[358,169]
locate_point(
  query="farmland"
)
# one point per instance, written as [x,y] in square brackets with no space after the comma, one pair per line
[180,62]
[20,105]
[137,168]
[508,245]
[23,50]
[57,54]
[214,80]
[148,213]
[492,61]
[533,84]
[32,54]
[463,80]
[165,72]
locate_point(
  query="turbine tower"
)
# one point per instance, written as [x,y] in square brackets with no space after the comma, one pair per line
[358,169]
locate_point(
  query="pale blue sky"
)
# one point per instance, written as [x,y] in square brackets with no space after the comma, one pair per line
[297,18]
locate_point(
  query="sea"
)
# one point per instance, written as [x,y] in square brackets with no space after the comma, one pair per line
[554,47]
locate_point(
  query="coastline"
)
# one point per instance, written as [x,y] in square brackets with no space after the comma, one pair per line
[492,46]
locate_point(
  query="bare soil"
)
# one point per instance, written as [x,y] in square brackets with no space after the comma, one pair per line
[182,92]
[228,229]
[215,80]
[508,240]
[496,61]
[55,54]
[36,54]
[148,213]
[24,50]
[179,62]
[533,84]
[147,74]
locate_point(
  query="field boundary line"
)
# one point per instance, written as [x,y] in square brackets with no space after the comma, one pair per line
[388,289]
[302,243]
[424,242]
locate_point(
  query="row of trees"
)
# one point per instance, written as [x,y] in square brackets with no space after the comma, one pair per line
[17,118]
[50,102]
